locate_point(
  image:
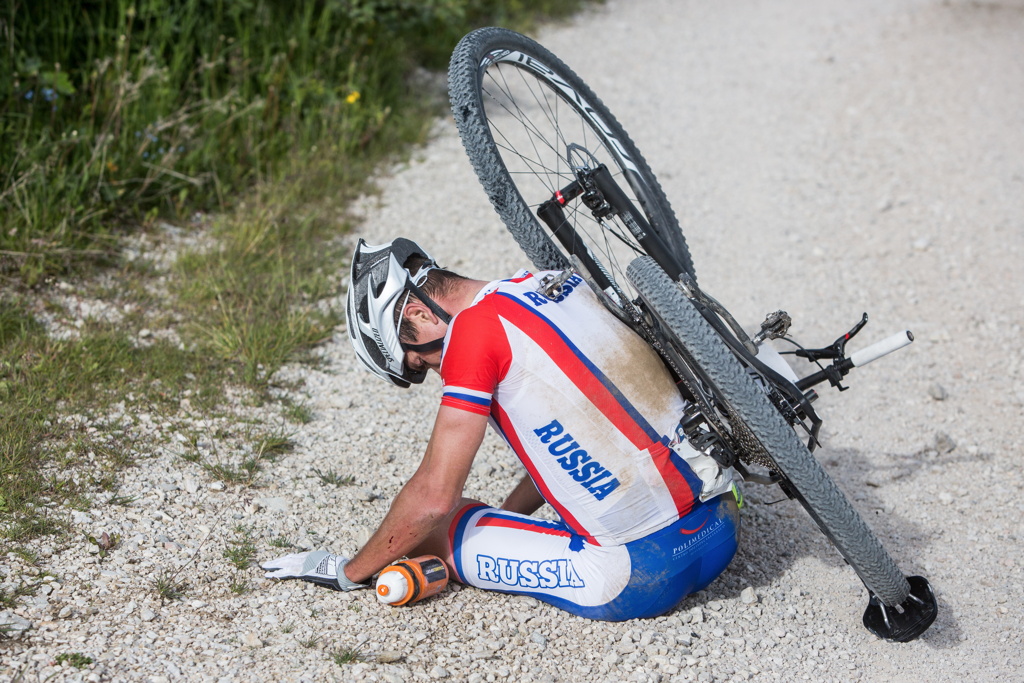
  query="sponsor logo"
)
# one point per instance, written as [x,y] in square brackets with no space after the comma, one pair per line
[383,349]
[578,464]
[696,537]
[528,573]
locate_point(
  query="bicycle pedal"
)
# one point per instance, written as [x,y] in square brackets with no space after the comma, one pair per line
[551,285]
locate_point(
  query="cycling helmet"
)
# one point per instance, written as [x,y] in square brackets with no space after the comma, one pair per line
[380,282]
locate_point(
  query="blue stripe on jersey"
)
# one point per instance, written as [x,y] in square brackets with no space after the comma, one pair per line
[531,521]
[485,402]
[457,537]
[608,384]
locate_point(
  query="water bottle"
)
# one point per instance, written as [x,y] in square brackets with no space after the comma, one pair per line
[409,581]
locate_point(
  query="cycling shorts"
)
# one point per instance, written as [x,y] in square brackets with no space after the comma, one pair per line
[512,553]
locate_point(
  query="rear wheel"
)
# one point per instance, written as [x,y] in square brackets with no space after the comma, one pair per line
[520,111]
[758,430]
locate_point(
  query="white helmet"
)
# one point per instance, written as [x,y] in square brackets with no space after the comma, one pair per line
[380,282]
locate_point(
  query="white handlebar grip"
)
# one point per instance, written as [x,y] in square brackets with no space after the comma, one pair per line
[879,349]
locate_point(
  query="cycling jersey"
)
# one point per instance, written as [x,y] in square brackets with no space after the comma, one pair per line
[584,402]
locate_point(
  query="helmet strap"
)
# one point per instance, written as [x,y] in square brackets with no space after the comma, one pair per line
[429,347]
[430,303]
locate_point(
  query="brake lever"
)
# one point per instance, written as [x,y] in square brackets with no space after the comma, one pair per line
[837,350]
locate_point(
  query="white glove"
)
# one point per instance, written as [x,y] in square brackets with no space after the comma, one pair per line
[318,566]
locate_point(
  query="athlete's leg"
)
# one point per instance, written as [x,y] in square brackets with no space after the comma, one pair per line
[514,553]
[681,559]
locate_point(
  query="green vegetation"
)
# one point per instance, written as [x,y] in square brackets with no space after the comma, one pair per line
[118,108]
[310,643]
[169,587]
[346,655]
[9,596]
[124,126]
[334,479]
[241,551]
[75,659]
[281,542]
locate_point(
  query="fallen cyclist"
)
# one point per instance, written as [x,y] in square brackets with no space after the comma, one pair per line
[586,405]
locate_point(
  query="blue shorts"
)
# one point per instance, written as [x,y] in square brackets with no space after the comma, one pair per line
[503,551]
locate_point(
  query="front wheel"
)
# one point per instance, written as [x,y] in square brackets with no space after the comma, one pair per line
[528,124]
[750,420]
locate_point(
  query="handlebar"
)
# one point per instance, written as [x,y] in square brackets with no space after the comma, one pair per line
[835,372]
[882,348]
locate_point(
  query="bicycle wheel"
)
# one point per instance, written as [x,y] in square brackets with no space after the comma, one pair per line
[761,430]
[518,108]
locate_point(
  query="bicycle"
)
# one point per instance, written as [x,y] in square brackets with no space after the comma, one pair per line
[545,147]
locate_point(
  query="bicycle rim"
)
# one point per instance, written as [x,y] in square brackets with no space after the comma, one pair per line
[528,108]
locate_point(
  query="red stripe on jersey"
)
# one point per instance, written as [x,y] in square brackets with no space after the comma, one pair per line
[541,331]
[678,486]
[488,520]
[468,406]
[509,430]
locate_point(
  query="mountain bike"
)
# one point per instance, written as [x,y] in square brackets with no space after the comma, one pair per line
[579,198]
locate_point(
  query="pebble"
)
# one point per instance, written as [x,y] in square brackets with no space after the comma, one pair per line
[937,391]
[748,596]
[14,624]
[944,443]
[251,639]
[274,504]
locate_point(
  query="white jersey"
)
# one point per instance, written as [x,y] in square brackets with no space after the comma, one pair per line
[584,402]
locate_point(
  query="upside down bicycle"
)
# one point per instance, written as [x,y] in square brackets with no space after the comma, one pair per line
[545,147]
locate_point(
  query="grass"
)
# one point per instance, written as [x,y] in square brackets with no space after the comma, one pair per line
[334,479]
[263,447]
[281,542]
[272,121]
[241,551]
[310,643]
[75,659]
[122,501]
[169,587]
[9,597]
[346,655]
[116,111]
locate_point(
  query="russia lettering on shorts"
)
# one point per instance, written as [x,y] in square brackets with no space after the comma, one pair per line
[589,473]
[528,573]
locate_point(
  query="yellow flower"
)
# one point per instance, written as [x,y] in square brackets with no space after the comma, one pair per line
[352,97]
[111,166]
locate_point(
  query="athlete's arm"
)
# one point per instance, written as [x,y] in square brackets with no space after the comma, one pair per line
[431,494]
[524,499]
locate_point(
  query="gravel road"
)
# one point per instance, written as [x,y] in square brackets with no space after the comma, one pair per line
[825,157]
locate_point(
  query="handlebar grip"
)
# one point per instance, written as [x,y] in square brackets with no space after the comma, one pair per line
[879,349]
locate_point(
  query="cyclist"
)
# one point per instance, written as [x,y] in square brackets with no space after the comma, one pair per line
[586,405]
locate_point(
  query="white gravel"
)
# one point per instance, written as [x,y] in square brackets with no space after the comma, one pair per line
[826,157]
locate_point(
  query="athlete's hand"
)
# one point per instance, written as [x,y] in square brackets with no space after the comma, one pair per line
[318,566]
